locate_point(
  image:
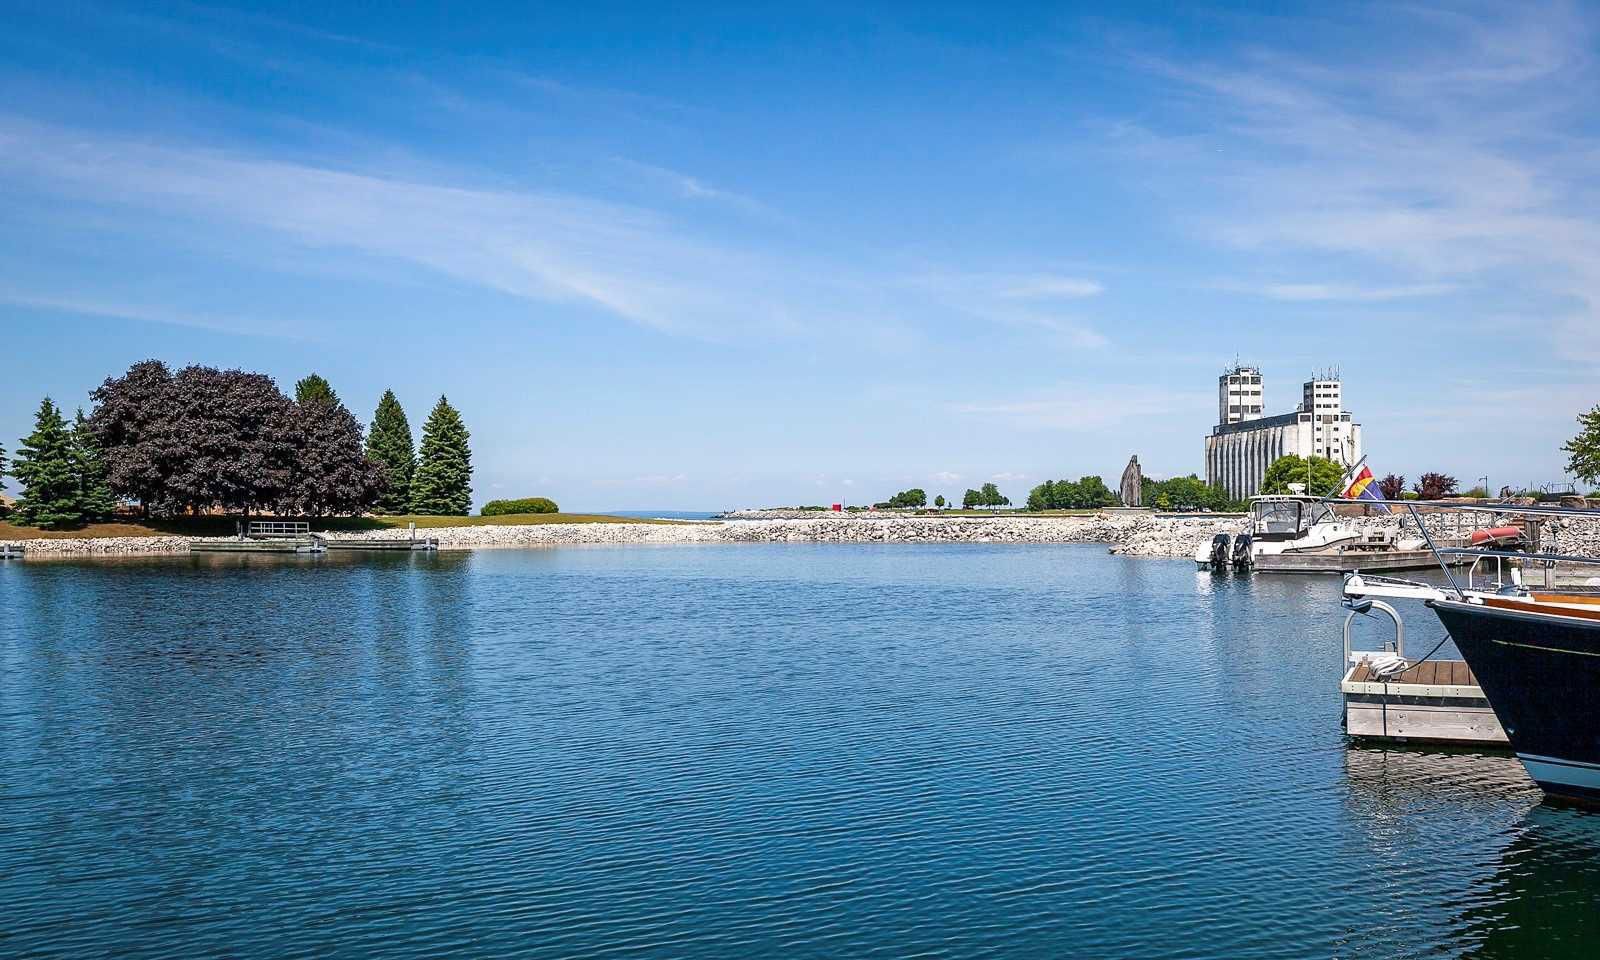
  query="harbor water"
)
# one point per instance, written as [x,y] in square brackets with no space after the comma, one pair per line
[737,750]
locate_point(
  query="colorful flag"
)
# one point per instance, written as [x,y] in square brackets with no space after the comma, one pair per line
[1364,487]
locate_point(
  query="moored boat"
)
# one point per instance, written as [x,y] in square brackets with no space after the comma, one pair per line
[1534,651]
[1537,658]
[1278,524]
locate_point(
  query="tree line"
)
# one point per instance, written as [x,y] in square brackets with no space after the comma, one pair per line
[1081,494]
[205,439]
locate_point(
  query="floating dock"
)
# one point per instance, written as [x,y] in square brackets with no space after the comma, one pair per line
[307,545]
[8,552]
[1435,701]
[425,543]
[1347,561]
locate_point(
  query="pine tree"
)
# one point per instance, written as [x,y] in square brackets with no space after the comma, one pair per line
[389,443]
[314,389]
[442,483]
[47,467]
[94,484]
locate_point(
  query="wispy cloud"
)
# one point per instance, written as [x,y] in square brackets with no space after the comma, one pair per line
[145,313]
[1030,299]
[660,479]
[1463,160]
[1047,287]
[1349,293]
[1086,406]
[688,187]
[629,261]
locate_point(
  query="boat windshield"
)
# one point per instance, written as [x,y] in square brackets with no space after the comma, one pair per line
[1276,518]
[1318,512]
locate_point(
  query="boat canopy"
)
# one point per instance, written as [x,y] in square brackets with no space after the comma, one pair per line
[1285,517]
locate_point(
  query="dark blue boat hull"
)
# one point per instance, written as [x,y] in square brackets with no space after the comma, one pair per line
[1541,674]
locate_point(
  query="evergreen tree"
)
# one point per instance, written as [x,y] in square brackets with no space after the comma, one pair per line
[94,484]
[47,467]
[314,389]
[442,483]
[389,443]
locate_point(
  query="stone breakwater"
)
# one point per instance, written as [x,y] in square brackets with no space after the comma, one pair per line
[1131,534]
[1138,534]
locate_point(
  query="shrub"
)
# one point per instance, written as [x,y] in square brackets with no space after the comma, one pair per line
[1410,495]
[1435,486]
[500,508]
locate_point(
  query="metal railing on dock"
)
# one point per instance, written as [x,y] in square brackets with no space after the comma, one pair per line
[278,529]
[295,536]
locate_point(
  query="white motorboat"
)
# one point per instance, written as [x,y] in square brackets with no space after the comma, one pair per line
[1286,523]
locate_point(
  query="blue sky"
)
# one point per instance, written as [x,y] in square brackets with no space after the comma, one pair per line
[677,257]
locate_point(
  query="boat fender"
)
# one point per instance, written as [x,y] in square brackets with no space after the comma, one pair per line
[1479,537]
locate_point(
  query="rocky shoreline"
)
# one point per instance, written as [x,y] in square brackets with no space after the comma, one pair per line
[1140,534]
[1132,534]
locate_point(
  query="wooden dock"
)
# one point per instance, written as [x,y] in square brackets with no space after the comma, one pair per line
[1435,701]
[422,543]
[307,545]
[1347,561]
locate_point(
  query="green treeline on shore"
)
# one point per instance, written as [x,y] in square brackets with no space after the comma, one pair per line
[204,440]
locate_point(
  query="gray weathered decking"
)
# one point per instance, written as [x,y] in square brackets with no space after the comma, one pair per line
[1435,701]
[1347,561]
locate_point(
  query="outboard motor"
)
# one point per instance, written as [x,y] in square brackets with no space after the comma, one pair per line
[1242,557]
[1219,551]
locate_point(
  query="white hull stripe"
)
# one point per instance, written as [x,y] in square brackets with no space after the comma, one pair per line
[1568,773]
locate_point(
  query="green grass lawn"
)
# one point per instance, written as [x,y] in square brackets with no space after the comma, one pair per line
[225,526]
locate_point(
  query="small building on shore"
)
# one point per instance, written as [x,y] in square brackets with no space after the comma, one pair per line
[1244,443]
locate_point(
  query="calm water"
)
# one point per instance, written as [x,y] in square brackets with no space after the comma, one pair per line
[729,751]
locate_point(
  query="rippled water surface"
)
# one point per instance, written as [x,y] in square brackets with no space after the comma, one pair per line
[785,750]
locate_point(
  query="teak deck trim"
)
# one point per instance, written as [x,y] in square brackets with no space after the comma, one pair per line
[1450,679]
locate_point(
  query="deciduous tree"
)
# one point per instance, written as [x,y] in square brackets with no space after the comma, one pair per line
[915,497]
[332,473]
[1321,477]
[442,483]
[1583,450]
[1392,486]
[234,440]
[970,499]
[46,468]
[132,422]
[991,497]
[389,443]
[1433,486]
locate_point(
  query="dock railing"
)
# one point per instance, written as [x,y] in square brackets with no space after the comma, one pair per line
[1535,517]
[278,530]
